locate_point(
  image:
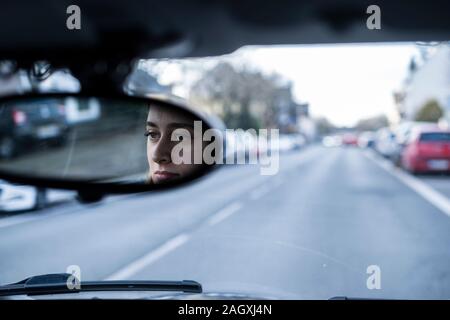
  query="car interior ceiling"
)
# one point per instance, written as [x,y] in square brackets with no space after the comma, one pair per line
[115,34]
[141,27]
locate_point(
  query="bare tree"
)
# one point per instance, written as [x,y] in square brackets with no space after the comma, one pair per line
[245,99]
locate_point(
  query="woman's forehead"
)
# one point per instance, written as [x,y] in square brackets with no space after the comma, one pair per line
[162,116]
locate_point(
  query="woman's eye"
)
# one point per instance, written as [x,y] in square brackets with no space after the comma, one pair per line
[152,135]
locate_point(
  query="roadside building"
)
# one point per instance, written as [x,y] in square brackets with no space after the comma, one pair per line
[427,80]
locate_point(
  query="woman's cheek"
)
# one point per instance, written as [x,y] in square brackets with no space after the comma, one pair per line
[149,153]
[185,169]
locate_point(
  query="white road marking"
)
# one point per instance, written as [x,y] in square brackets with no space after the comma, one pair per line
[224,213]
[431,195]
[259,192]
[154,255]
[150,258]
[265,188]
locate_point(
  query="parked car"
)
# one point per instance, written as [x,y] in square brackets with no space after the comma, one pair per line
[402,134]
[385,143]
[80,112]
[16,197]
[404,129]
[332,141]
[298,140]
[427,151]
[349,139]
[366,139]
[23,125]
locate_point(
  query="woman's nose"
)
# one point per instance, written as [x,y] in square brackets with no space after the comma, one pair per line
[162,152]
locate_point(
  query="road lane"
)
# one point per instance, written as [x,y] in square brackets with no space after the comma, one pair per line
[103,238]
[309,232]
[440,183]
[315,235]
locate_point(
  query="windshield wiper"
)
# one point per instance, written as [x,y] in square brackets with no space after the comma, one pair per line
[60,283]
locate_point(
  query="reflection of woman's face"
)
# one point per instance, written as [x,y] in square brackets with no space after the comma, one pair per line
[160,125]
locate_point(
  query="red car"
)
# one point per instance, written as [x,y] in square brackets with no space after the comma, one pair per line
[427,151]
[349,139]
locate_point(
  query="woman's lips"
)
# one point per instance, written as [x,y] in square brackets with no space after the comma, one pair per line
[165,175]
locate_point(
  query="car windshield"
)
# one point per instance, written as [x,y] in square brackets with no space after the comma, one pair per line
[334,207]
[435,136]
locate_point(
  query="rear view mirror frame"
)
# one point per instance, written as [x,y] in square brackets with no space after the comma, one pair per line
[104,188]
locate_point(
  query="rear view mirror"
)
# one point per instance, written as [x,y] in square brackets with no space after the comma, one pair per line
[108,144]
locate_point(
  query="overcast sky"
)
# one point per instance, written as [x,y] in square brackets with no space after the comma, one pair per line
[344,83]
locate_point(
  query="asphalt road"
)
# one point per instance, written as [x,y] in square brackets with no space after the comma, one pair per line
[311,231]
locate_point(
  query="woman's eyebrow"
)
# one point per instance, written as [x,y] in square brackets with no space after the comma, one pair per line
[151,124]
